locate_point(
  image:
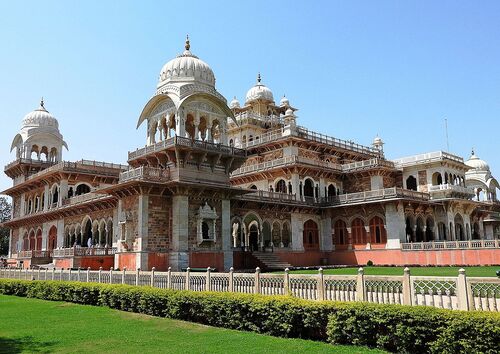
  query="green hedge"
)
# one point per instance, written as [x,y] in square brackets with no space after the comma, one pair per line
[392,327]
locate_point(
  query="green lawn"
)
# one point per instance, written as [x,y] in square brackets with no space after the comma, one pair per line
[38,326]
[484,271]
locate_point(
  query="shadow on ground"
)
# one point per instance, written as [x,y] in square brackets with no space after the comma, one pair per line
[24,344]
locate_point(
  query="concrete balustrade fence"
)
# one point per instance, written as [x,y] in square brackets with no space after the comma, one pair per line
[457,293]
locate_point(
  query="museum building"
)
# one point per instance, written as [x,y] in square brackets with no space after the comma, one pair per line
[242,185]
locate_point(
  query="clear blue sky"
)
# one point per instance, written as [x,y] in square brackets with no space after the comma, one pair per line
[353,68]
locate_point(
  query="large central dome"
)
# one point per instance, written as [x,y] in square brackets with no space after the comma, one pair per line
[186,68]
[259,92]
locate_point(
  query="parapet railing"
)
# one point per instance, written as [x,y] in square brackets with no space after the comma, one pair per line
[451,187]
[34,254]
[426,158]
[348,198]
[84,251]
[288,160]
[145,173]
[177,140]
[447,245]
[457,293]
[305,133]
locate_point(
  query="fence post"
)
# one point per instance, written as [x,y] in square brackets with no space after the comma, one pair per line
[360,285]
[169,278]
[257,280]
[69,275]
[79,279]
[53,273]
[321,284]
[99,274]
[111,275]
[62,274]
[123,274]
[137,275]
[46,271]
[25,274]
[153,277]
[462,295]
[188,272]
[88,274]
[208,286]
[39,271]
[231,278]
[286,284]
[407,298]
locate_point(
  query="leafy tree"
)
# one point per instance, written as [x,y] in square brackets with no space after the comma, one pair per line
[5,212]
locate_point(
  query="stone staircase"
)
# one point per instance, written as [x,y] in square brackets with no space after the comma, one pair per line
[271,261]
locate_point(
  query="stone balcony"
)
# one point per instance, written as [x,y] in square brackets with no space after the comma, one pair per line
[177,141]
[144,173]
[442,191]
[427,158]
[83,252]
[292,160]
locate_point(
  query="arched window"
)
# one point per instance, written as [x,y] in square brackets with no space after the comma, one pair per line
[281,186]
[308,188]
[377,230]
[437,179]
[411,183]
[52,238]
[358,231]
[409,230]
[82,189]
[55,195]
[331,191]
[340,232]
[429,230]
[310,235]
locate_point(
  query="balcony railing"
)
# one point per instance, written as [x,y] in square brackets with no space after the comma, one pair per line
[284,161]
[27,161]
[81,198]
[446,245]
[305,133]
[146,173]
[84,251]
[348,198]
[426,158]
[452,188]
[177,140]
[34,254]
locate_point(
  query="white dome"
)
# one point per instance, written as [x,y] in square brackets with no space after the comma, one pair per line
[289,112]
[377,141]
[259,92]
[476,163]
[284,101]
[187,68]
[40,118]
[234,103]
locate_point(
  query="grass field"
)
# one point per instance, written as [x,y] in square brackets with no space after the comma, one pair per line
[484,271]
[38,326]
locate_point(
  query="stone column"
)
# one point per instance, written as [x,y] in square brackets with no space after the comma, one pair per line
[226,234]
[348,237]
[22,212]
[180,128]
[297,228]
[141,260]
[326,243]
[45,238]
[63,191]
[179,257]
[196,125]
[9,251]
[395,225]
[209,129]
[60,234]
[46,197]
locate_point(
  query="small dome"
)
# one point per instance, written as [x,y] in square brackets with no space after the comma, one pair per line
[187,68]
[40,118]
[476,163]
[284,101]
[259,92]
[234,103]
[289,112]
[377,141]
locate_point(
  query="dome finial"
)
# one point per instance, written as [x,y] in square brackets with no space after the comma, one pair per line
[187,46]
[41,103]
[473,152]
[258,78]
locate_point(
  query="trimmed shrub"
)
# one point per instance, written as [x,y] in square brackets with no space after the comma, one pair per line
[396,328]
[418,329]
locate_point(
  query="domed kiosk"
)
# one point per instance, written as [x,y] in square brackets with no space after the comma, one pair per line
[480,178]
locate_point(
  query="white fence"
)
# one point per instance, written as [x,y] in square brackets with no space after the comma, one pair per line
[457,293]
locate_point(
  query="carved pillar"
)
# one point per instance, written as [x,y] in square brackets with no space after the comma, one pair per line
[196,125]
[180,118]
[209,129]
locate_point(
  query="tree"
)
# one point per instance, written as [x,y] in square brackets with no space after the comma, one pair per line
[5,212]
